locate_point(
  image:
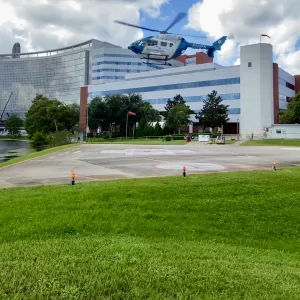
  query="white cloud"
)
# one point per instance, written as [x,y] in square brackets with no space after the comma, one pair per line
[237,62]
[290,62]
[246,20]
[47,24]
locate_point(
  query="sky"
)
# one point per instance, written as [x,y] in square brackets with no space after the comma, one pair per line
[48,24]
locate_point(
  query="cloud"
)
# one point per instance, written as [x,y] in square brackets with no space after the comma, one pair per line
[48,24]
[246,20]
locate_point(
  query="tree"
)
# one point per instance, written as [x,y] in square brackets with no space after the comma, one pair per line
[178,99]
[111,111]
[75,109]
[213,113]
[13,125]
[178,116]
[98,113]
[148,113]
[39,141]
[158,130]
[292,114]
[47,115]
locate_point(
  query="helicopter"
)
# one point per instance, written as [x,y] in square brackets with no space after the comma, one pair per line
[167,46]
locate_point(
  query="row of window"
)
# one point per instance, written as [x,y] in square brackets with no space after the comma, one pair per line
[189,99]
[230,111]
[108,77]
[115,55]
[286,84]
[119,70]
[165,87]
[126,63]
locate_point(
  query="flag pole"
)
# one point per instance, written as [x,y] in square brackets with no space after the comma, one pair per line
[126,124]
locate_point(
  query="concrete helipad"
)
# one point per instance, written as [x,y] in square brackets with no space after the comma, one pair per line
[102,162]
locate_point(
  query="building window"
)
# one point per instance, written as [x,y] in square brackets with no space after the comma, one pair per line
[278,131]
[290,86]
[185,85]
[249,64]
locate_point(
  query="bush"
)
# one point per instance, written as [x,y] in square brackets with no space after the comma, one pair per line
[168,138]
[39,141]
[105,136]
[60,138]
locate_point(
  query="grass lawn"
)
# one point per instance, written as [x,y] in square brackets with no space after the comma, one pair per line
[34,155]
[273,142]
[216,236]
[137,141]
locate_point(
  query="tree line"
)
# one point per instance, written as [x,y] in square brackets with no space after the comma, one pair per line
[47,119]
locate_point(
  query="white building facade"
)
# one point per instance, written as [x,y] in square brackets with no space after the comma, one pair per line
[255,91]
[193,83]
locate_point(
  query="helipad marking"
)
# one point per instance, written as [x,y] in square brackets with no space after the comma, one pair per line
[150,151]
[191,166]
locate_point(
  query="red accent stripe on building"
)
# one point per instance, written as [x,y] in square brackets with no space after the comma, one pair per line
[83,108]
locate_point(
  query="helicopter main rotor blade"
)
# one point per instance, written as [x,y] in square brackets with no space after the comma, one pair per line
[178,18]
[196,36]
[136,26]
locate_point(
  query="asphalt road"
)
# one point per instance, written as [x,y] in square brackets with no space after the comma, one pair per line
[102,162]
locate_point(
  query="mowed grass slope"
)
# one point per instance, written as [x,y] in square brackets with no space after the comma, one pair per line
[273,142]
[218,236]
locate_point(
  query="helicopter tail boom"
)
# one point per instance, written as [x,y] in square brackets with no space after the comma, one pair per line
[216,46]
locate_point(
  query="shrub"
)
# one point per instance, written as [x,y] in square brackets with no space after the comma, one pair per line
[60,138]
[105,136]
[168,138]
[39,141]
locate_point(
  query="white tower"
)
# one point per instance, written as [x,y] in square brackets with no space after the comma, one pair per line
[256,72]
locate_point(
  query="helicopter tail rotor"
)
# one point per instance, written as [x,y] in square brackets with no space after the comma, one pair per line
[216,46]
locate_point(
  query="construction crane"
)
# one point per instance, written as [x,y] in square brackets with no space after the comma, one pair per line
[1,117]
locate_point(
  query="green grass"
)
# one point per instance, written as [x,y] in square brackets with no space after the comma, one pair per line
[34,155]
[137,141]
[217,236]
[273,142]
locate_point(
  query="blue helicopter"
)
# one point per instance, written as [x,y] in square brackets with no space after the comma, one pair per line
[167,46]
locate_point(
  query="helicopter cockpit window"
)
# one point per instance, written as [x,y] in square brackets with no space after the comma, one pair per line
[152,43]
[171,44]
[164,44]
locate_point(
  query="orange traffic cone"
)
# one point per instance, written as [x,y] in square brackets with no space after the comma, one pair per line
[73,178]
[184,171]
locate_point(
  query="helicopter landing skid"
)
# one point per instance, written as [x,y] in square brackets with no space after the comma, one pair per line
[165,63]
